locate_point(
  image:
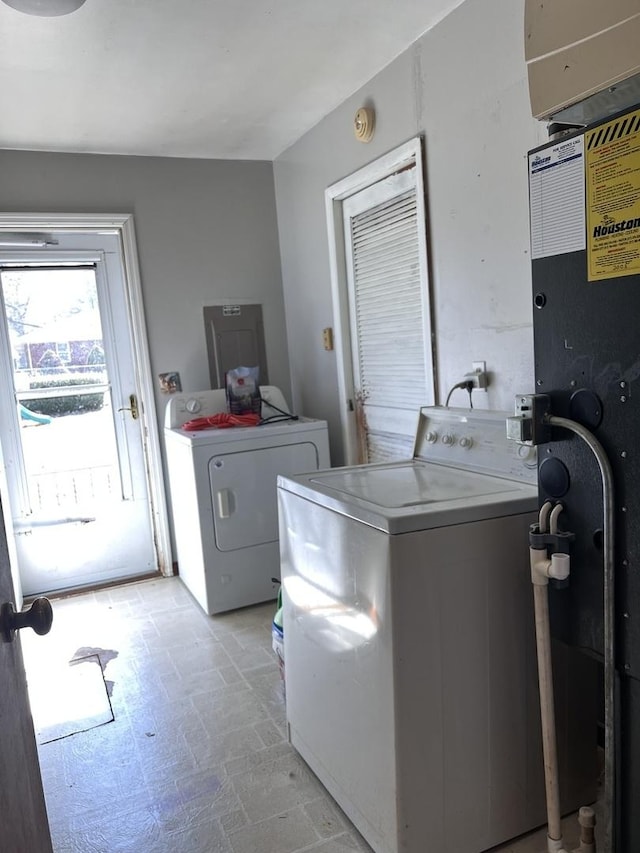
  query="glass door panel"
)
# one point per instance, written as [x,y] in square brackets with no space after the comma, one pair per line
[62,389]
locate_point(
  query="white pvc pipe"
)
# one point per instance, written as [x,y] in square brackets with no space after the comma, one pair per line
[543,516]
[547,711]
[587,821]
[541,569]
[553,518]
[545,685]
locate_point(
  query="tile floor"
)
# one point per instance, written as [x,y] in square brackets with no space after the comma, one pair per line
[196,760]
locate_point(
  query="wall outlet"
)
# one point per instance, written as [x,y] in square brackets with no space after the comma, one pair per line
[478,380]
[479,376]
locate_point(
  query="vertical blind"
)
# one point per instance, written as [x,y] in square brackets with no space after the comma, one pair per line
[387,318]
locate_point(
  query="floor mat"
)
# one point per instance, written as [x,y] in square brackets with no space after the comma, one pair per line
[70,699]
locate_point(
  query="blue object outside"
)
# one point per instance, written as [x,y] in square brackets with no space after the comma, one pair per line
[28,415]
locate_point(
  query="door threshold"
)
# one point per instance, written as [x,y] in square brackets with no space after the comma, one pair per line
[97,587]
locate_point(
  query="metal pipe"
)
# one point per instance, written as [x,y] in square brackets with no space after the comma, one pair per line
[609,621]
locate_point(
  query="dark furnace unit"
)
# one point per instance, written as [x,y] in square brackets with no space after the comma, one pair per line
[585,236]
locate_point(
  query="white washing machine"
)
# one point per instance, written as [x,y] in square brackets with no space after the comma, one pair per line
[223,495]
[409,643]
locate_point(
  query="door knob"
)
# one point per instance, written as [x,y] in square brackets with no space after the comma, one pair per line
[39,617]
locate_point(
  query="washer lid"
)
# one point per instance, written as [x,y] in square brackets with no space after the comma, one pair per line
[410,484]
[403,497]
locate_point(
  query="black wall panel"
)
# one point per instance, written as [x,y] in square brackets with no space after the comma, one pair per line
[587,336]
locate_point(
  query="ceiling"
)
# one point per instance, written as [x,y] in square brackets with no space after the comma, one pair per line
[236,79]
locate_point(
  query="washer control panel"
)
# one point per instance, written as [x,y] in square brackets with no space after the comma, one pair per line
[473,439]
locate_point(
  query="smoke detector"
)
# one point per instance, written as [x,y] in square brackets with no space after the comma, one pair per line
[363,124]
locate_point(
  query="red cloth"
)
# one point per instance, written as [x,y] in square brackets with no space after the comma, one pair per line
[222,420]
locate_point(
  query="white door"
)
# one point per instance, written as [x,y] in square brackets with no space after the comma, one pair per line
[24,825]
[71,437]
[388,299]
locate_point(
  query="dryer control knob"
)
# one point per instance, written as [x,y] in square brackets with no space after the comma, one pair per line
[448,439]
[431,437]
[466,442]
[193,406]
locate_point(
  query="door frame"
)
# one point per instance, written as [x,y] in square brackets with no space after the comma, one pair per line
[408,154]
[121,225]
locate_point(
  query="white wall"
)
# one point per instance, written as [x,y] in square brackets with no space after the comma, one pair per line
[206,232]
[463,87]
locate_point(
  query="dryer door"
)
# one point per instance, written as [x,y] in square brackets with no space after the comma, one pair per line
[244,493]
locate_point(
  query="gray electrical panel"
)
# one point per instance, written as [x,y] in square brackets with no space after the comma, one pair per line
[235,338]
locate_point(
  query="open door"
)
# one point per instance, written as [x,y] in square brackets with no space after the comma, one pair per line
[72,426]
[25,828]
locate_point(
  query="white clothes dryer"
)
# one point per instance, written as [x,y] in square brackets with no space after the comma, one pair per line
[224,499]
[409,642]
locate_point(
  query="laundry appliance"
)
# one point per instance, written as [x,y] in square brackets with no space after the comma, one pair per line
[409,642]
[223,494]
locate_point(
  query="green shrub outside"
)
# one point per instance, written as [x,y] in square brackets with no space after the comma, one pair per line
[73,404]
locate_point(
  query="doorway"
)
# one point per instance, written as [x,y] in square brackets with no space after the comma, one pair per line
[77,424]
[381,304]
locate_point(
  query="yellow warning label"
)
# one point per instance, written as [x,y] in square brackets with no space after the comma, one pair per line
[613,198]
